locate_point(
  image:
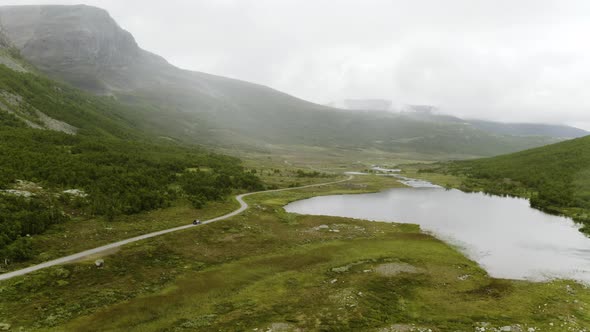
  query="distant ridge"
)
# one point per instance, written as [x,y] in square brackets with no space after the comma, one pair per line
[426,112]
[529,129]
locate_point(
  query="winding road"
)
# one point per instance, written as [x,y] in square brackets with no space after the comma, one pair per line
[86,253]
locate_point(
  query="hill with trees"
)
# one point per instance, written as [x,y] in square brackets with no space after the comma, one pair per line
[556,178]
[65,152]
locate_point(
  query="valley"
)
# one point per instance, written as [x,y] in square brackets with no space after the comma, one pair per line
[269,269]
[106,145]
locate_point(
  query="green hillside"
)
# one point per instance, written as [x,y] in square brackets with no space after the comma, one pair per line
[555,177]
[65,154]
[261,121]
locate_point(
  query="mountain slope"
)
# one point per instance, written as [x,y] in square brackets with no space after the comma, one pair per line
[555,177]
[85,47]
[529,129]
[67,154]
[426,112]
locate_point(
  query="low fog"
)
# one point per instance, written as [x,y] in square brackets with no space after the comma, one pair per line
[499,60]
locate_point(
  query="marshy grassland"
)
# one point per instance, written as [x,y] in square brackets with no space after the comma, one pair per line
[268,269]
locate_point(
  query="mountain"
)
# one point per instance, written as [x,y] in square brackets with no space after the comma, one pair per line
[85,47]
[555,177]
[80,45]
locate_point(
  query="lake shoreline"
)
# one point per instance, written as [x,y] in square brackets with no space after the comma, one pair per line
[503,242]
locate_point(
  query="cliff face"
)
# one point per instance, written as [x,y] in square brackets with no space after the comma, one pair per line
[80,44]
[80,33]
[84,46]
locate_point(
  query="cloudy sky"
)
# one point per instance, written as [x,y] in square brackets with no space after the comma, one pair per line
[526,60]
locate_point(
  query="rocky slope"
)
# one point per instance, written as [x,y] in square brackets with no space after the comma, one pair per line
[7,54]
[80,44]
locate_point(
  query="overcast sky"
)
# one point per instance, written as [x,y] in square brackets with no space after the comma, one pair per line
[526,60]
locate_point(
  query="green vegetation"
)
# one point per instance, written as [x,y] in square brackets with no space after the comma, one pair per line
[86,232]
[556,178]
[271,269]
[130,169]
[21,217]
[114,169]
[22,93]
[119,177]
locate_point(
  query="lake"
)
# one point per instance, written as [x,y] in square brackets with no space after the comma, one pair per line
[504,235]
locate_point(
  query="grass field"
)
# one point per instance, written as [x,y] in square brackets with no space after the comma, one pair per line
[268,269]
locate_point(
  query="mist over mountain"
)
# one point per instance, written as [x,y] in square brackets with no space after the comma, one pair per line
[79,44]
[85,47]
[363,104]
[529,129]
[432,113]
